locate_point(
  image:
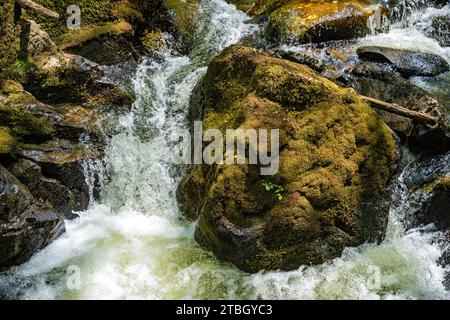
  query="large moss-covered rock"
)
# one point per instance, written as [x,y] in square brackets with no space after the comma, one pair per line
[336,161]
[26,225]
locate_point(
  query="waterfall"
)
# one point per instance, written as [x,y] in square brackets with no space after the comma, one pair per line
[134,243]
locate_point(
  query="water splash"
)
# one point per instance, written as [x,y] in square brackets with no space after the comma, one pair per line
[134,244]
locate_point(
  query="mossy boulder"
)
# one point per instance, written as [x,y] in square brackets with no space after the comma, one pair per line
[300,21]
[107,44]
[336,162]
[79,84]
[7,141]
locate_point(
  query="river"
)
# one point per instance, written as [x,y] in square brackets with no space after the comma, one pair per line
[133,243]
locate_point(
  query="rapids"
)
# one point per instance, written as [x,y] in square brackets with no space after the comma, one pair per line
[134,244]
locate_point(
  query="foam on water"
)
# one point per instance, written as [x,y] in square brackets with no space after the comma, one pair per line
[135,245]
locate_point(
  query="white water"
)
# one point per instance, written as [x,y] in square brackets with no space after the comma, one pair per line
[136,245]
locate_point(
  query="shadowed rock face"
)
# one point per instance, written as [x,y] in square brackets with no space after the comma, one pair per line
[407,62]
[336,162]
[377,81]
[26,225]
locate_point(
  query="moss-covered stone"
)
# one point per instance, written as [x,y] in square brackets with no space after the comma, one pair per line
[7,141]
[336,161]
[75,38]
[154,40]
[9,42]
[78,86]
[301,21]
[22,123]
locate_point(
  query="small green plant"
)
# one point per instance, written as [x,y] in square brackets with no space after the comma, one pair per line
[19,65]
[276,188]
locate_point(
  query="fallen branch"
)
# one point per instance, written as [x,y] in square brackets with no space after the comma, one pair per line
[37,7]
[394,108]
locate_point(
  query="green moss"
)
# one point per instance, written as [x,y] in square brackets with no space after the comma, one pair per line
[303,21]
[7,141]
[153,40]
[24,124]
[127,11]
[93,12]
[9,43]
[78,37]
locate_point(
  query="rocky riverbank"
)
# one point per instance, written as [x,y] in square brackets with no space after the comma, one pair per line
[58,95]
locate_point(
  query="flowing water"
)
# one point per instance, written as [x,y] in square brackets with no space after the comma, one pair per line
[134,242]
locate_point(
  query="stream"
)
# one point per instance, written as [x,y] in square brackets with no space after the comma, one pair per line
[133,243]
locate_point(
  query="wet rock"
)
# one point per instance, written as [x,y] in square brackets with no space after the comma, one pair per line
[64,161]
[302,22]
[78,83]
[407,62]
[437,208]
[46,190]
[105,45]
[379,82]
[34,40]
[25,225]
[427,183]
[336,160]
[441,30]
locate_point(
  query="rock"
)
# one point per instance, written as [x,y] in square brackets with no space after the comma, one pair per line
[441,30]
[306,21]
[107,45]
[336,161]
[437,208]
[407,62]
[427,186]
[25,225]
[35,41]
[185,17]
[46,190]
[9,44]
[376,81]
[7,141]
[78,83]
[64,161]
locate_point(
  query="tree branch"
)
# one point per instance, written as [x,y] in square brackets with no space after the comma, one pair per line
[37,7]
[394,108]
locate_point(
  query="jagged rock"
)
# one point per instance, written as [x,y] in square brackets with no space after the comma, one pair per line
[377,81]
[407,62]
[336,161]
[44,189]
[25,225]
[427,183]
[35,41]
[437,208]
[78,83]
[62,160]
